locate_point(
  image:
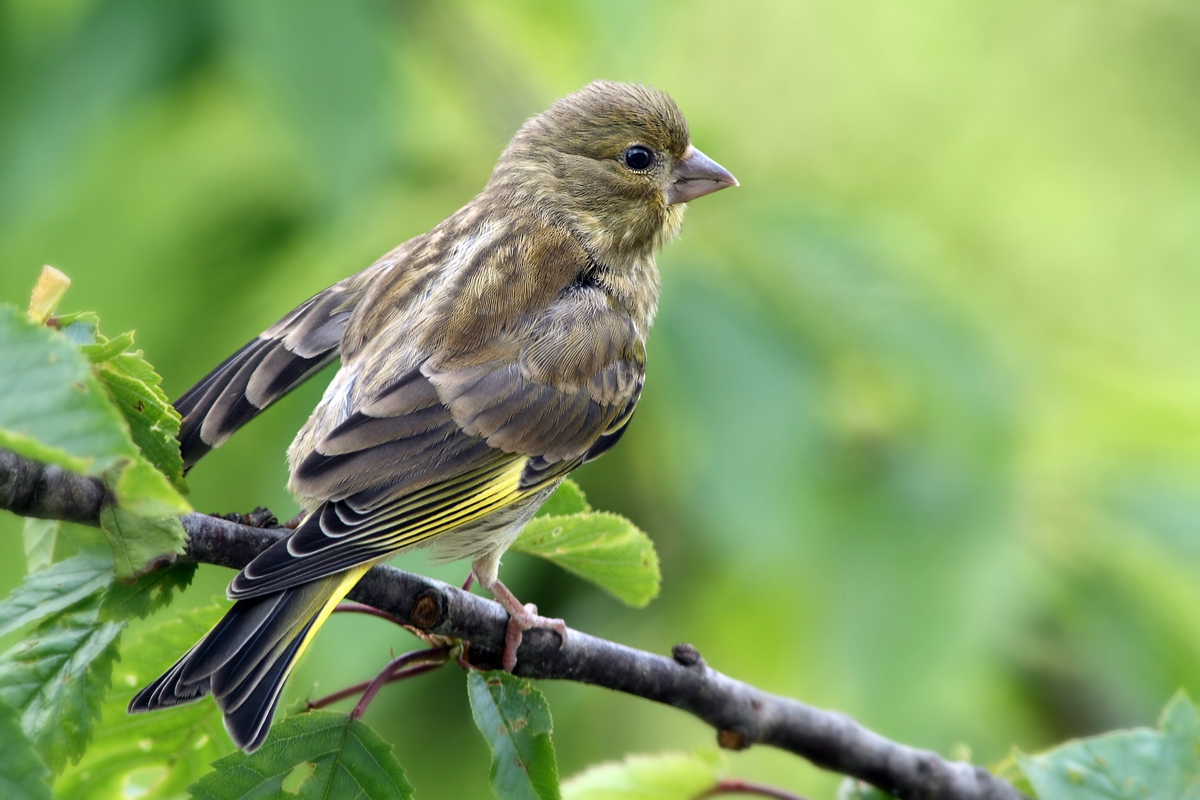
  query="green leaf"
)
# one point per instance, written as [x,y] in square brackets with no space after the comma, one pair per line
[1008,769]
[23,776]
[48,541]
[52,408]
[515,720]
[45,543]
[99,348]
[41,541]
[668,776]
[56,679]
[146,595]
[567,499]
[1139,764]
[145,491]
[153,421]
[603,548]
[138,541]
[157,755]
[349,761]
[46,593]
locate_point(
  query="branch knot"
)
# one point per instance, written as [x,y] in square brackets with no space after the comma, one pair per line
[686,655]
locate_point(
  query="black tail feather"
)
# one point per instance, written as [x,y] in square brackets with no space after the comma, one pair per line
[244,660]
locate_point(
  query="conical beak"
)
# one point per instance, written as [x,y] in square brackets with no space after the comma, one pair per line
[697,175]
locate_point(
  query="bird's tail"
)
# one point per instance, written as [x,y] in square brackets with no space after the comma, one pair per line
[245,659]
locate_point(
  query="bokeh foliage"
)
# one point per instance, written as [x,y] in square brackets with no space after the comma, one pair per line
[919,437]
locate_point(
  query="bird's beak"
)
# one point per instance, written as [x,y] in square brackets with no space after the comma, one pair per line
[697,175]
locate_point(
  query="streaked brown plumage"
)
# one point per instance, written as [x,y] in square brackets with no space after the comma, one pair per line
[481,362]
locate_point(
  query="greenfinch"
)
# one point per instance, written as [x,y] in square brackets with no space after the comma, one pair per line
[481,362]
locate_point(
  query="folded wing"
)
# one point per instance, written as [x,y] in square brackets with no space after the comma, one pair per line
[449,444]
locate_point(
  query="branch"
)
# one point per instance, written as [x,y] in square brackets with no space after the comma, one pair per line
[33,489]
[741,714]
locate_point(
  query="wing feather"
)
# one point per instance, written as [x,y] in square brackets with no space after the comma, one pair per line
[280,359]
[334,538]
[444,446]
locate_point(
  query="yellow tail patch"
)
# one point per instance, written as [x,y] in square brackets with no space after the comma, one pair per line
[348,579]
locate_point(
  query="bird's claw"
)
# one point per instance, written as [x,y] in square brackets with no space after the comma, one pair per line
[525,619]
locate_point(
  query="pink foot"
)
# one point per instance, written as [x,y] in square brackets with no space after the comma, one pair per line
[519,623]
[520,619]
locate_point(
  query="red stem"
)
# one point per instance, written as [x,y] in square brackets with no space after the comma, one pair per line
[346,607]
[393,672]
[738,786]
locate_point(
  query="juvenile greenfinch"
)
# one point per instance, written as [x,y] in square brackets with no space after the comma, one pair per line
[481,362]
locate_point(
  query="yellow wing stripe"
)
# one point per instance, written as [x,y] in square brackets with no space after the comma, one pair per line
[445,498]
[501,491]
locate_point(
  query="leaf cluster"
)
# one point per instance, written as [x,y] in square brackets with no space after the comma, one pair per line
[93,405]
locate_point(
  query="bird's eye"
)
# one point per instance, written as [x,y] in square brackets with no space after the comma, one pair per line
[639,158]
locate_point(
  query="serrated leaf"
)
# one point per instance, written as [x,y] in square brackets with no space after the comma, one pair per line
[350,761]
[567,499]
[515,720]
[23,776]
[46,593]
[604,548]
[668,776]
[57,677]
[153,421]
[1139,764]
[52,408]
[100,348]
[161,753]
[152,591]
[136,390]
[138,541]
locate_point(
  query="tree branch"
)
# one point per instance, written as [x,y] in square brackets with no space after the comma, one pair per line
[741,714]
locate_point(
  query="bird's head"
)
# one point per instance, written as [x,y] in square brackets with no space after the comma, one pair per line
[614,162]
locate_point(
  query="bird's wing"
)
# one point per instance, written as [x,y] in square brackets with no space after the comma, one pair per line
[451,443]
[277,361]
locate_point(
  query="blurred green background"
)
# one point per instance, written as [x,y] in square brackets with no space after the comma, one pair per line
[920,436]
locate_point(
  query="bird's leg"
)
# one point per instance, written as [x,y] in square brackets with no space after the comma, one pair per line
[520,619]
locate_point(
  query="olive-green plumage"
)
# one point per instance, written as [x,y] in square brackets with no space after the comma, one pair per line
[481,362]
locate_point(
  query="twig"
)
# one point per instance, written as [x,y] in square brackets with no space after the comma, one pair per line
[736,786]
[392,670]
[434,658]
[361,608]
[350,691]
[741,714]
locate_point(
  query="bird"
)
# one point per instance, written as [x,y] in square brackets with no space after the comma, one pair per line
[481,362]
